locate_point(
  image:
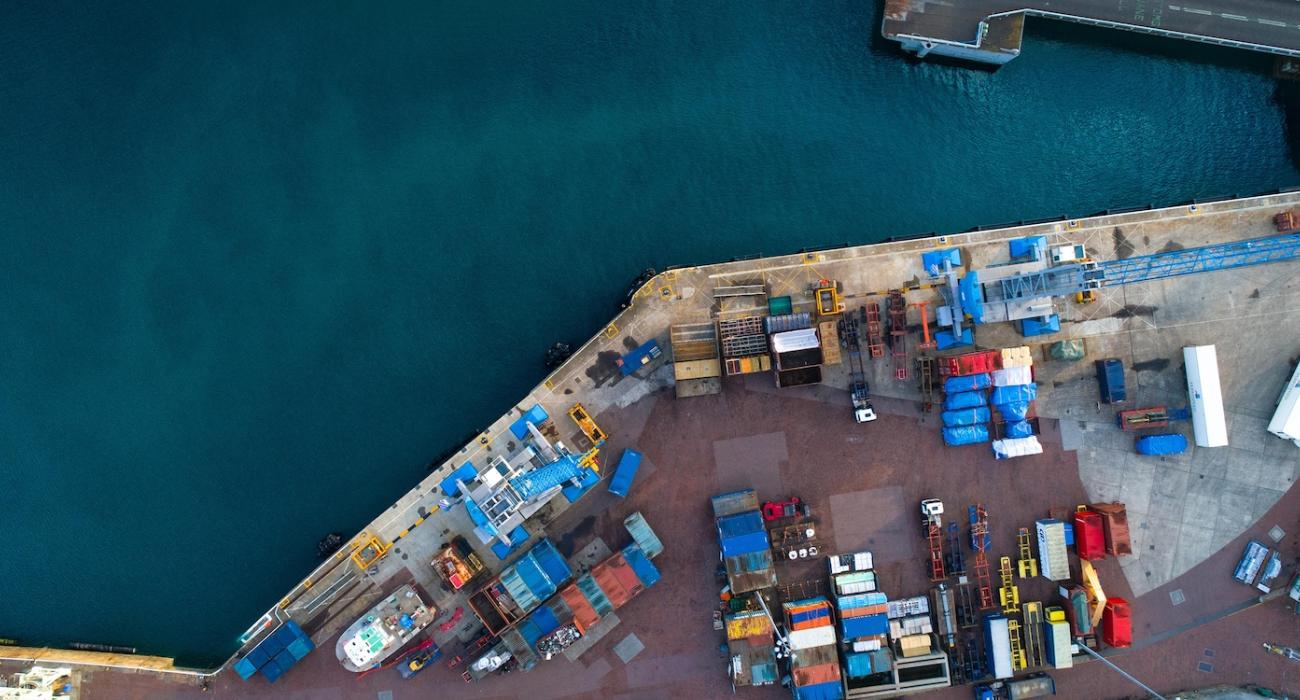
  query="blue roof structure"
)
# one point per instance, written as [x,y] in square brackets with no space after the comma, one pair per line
[972,296]
[518,537]
[465,472]
[933,260]
[535,415]
[538,481]
[275,654]
[588,479]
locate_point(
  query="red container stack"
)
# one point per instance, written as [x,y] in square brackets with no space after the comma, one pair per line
[1117,623]
[1089,535]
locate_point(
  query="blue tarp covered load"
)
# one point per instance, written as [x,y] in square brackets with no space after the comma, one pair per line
[933,260]
[1016,393]
[465,472]
[864,626]
[965,399]
[539,480]
[281,649]
[968,416]
[1019,429]
[972,296]
[645,571]
[639,357]
[1170,444]
[970,382]
[1015,411]
[966,435]
[742,533]
[518,536]
[535,415]
[822,691]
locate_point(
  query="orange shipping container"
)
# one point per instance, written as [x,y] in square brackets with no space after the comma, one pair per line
[625,575]
[583,613]
[609,583]
[1115,518]
[812,675]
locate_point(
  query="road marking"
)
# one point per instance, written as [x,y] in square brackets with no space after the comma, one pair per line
[1271,22]
[1175,8]
[1239,18]
[1196,11]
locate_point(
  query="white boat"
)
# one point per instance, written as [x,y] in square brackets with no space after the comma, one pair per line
[384,629]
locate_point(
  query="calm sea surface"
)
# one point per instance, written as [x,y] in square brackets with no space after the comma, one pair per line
[261,263]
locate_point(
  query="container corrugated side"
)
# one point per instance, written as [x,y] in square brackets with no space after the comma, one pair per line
[812,675]
[583,612]
[612,587]
[813,637]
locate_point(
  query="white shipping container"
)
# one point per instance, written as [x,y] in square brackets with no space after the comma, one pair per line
[1059,645]
[1209,426]
[1286,419]
[1053,560]
[813,637]
[997,638]
[858,561]
[867,644]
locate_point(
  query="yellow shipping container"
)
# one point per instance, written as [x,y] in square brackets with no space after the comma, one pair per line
[830,338]
[748,625]
[697,369]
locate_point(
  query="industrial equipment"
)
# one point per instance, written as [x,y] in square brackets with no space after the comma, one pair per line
[1153,417]
[1027,565]
[585,423]
[980,540]
[932,521]
[829,302]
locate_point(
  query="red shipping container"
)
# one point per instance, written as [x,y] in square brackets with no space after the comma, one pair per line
[970,363]
[1089,535]
[583,613]
[1115,516]
[812,675]
[1117,623]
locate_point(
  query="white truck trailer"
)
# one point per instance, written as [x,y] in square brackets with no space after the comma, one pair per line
[1209,426]
[1286,419]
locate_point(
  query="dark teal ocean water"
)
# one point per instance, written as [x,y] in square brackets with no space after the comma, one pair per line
[261,263]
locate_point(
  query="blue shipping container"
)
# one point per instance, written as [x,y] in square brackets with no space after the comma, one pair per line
[1170,444]
[645,571]
[864,626]
[1030,327]
[625,473]
[640,357]
[970,382]
[1110,379]
[245,668]
[831,690]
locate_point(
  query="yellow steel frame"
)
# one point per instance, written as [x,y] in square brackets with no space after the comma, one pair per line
[1008,593]
[586,424]
[589,459]
[369,552]
[1017,651]
[1028,565]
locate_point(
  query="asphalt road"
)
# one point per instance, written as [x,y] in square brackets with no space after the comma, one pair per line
[1272,24]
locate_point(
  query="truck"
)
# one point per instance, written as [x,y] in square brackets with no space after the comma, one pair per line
[1110,379]
[1039,685]
[1209,425]
[931,514]
[625,473]
[1286,419]
[859,394]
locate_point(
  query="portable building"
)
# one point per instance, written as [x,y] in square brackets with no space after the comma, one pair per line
[997,645]
[1053,561]
[1057,640]
[1209,426]
[1286,419]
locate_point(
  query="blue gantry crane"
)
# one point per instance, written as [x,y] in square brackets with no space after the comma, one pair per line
[1017,291]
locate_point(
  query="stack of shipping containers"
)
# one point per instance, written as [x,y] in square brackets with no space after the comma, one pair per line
[752,648]
[910,627]
[746,550]
[814,661]
[1013,394]
[861,610]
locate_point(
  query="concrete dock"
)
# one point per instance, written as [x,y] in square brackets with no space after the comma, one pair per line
[1189,514]
[990,31]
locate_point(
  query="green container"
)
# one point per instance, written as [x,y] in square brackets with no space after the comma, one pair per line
[779,306]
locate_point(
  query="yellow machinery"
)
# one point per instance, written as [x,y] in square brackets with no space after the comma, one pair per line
[1087,296]
[590,461]
[1034,655]
[370,552]
[829,301]
[588,426]
[1092,585]
[1017,651]
[1027,564]
[1009,593]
